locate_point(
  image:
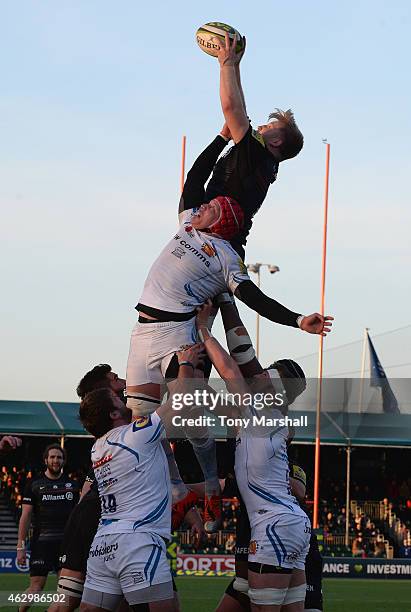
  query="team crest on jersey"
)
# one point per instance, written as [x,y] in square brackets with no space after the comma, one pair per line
[252,547]
[208,249]
[141,422]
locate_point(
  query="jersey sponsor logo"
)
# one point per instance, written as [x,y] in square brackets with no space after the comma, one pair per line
[68,485]
[102,461]
[208,249]
[51,497]
[195,252]
[108,482]
[104,550]
[178,252]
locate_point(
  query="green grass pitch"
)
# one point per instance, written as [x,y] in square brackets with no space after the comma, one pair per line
[202,594]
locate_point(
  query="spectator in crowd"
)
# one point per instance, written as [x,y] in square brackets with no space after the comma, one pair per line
[379,549]
[358,547]
[230,544]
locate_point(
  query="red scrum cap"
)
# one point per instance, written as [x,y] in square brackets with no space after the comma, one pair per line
[231,219]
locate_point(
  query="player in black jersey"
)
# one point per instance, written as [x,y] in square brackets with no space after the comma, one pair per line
[246,172]
[47,503]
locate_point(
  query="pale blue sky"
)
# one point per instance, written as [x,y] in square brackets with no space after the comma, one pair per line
[95,97]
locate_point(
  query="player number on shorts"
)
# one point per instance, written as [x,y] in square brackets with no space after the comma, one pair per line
[108,503]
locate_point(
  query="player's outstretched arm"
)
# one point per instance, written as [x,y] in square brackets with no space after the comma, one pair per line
[272,310]
[239,342]
[238,77]
[231,94]
[222,361]
[193,191]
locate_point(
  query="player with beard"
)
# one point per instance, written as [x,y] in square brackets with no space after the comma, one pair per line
[83,521]
[127,556]
[47,503]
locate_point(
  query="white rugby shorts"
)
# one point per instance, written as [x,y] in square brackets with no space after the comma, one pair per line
[152,347]
[127,562]
[282,540]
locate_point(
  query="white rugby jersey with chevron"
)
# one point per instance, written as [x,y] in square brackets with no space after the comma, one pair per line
[133,478]
[193,267]
[262,471]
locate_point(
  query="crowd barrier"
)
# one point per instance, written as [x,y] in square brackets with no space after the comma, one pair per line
[223,565]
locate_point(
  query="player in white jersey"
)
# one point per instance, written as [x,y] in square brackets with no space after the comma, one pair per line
[280,529]
[128,553]
[196,264]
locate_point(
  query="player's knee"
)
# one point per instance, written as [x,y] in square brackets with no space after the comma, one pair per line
[295,594]
[86,607]
[37,583]
[267,596]
[142,404]
[70,587]
[240,345]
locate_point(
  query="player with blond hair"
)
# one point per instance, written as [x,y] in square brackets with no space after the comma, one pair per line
[247,170]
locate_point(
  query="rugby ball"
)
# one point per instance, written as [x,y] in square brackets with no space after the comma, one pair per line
[211,35]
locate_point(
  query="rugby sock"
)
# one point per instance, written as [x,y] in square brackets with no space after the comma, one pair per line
[178,488]
[205,451]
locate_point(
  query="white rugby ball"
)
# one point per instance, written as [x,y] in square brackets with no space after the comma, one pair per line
[211,35]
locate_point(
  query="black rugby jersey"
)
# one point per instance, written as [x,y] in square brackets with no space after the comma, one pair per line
[52,502]
[245,173]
